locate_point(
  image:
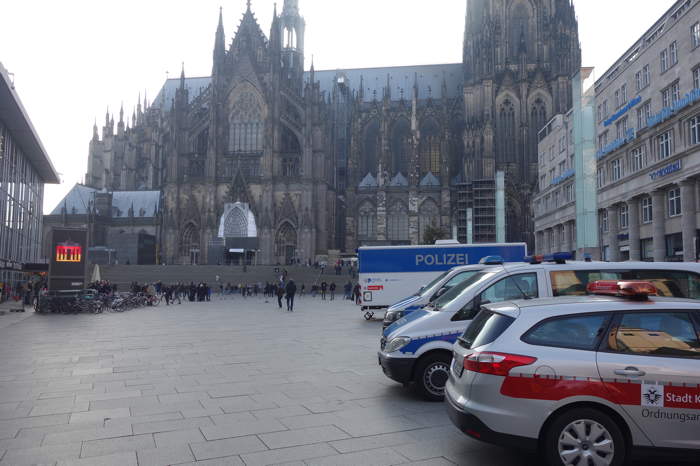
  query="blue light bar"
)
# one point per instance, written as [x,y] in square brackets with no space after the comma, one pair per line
[491,260]
[559,257]
[534,259]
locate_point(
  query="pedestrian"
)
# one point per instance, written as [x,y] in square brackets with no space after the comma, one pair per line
[324,287]
[168,293]
[280,295]
[332,289]
[357,292]
[291,290]
[347,289]
[303,290]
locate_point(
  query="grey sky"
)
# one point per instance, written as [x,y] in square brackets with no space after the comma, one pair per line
[72,59]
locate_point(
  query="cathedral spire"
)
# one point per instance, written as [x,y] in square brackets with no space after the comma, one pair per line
[95,136]
[182,77]
[121,113]
[219,43]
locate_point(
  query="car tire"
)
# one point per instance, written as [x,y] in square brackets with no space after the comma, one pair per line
[577,435]
[431,376]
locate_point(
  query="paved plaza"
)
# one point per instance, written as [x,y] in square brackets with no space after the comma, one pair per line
[235,382]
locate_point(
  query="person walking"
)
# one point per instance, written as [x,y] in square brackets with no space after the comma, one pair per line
[280,295]
[291,290]
[324,287]
[357,293]
[347,289]
[332,289]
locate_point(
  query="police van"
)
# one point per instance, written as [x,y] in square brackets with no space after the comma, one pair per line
[388,273]
[417,349]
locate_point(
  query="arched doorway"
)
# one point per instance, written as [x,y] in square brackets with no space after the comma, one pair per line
[189,244]
[286,244]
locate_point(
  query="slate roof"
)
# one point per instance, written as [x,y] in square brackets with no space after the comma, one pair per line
[195,86]
[430,79]
[79,197]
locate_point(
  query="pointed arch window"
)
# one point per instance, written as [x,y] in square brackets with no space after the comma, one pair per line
[236,224]
[367,222]
[538,118]
[397,222]
[507,137]
[370,153]
[430,157]
[400,147]
[428,215]
[291,153]
[247,126]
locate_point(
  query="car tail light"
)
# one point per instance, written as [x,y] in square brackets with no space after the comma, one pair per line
[628,289]
[495,363]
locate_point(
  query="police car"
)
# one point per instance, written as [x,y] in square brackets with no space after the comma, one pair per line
[435,289]
[583,380]
[417,349]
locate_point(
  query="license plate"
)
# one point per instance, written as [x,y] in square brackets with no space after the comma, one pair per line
[457,365]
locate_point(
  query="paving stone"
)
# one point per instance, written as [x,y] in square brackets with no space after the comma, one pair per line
[167,426]
[358,427]
[431,462]
[118,459]
[227,447]
[99,415]
[373,441]
[379,457]
[227,461]
[241,428]
[280,413]
[288,454]
[165,456]
[118,444]
[41,455]
[94,433]
[178,437]
[291,438]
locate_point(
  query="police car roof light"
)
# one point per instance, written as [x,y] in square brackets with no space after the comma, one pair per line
[534,259]
[638,290]
[491,260]
[559,257]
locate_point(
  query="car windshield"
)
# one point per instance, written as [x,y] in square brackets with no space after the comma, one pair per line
[425,288]
[459,289]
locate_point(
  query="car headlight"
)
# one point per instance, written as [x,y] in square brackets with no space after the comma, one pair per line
[396,344]
[393,316]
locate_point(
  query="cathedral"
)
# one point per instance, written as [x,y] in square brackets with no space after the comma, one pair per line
[264,162]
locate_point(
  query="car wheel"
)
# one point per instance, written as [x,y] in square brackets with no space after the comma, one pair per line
[431,376]
[584,436]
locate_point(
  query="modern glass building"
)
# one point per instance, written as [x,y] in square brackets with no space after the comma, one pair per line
[24,169]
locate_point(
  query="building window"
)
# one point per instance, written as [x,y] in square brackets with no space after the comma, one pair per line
[674,247]
[670,95]
[623,94]
[624,216]
[367,222]
[604,220]
[638,80]
[621,128]
[605,108]
[643,114]
[601,177]
[674,202]
[603,140]
[638,158]
[643,78]
[615,169]
[664,60]
[665,144]
[569,192]
[694,127]
[646,247]
[695,34]
[696,78]
[673,53]
[397,222]
[647,210]
[617,99]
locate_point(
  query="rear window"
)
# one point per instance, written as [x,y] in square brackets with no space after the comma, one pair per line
[486,327]
[669,283]
[574,332]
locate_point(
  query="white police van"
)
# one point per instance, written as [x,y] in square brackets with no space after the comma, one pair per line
[417,349]
[433,290]
[388,273]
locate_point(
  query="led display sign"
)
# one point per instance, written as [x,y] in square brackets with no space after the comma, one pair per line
[69,252]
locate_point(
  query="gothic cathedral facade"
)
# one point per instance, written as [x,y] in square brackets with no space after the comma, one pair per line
[281,165]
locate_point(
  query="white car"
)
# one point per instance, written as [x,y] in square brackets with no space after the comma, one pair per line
[583,380]
[417,349]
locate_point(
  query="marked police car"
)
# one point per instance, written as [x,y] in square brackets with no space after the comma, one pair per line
[436,288]
[417,349]
[583,380]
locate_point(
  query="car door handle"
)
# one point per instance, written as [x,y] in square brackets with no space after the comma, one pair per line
[630,372]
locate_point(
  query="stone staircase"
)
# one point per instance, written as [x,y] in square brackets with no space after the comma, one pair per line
[124,275]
